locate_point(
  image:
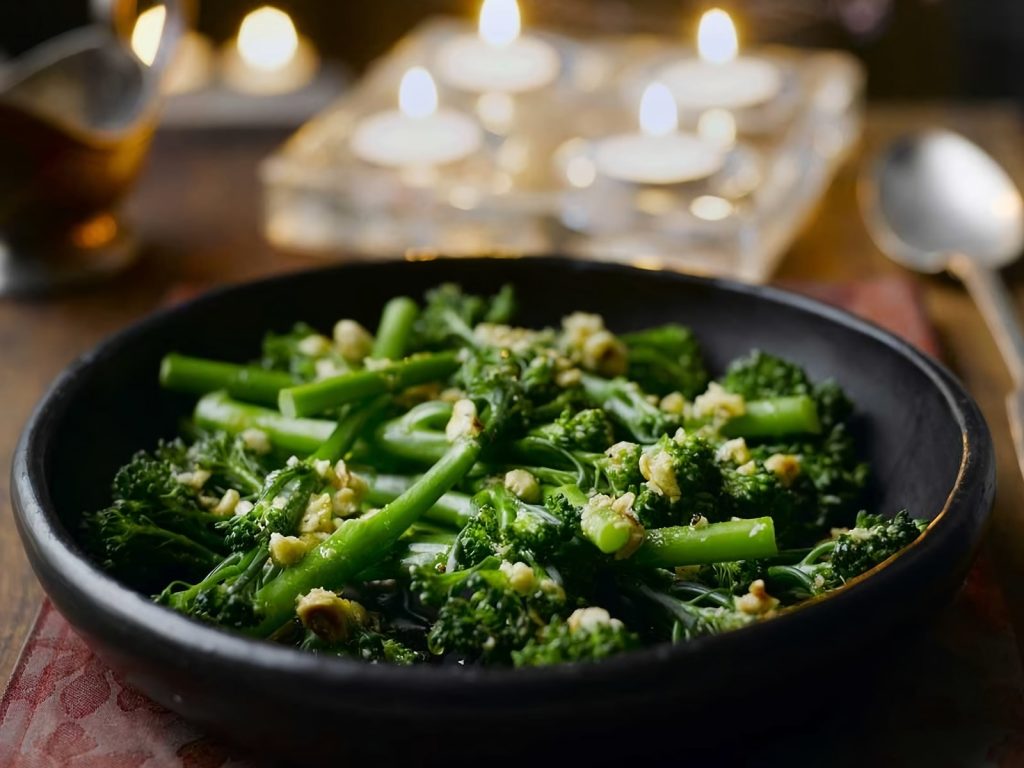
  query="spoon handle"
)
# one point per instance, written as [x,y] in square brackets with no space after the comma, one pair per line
[1015,412]
[997,308]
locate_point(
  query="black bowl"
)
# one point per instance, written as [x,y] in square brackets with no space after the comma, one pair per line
[929,447]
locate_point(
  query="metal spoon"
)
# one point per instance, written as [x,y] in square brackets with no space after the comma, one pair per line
[934,201]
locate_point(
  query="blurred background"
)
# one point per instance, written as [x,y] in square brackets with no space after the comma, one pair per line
[971,49]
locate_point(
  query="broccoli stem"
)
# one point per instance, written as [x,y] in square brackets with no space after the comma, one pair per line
[362,541]
[421,549]
[606,530]
[393,331]
[625,402]
[300,436]
[452,509]
[776,417]
[714,543]
[199,376]
[217,411]
[417,435]
[319,396]
[348,429]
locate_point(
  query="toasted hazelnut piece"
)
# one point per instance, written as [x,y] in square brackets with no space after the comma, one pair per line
[352,341]
[520,576]
[227,503]
[757,601]
[570,377]
[604,353]
[195,479]
[673,403]
[256,440]
[314,345]
[287,550]
[330,617]
[318,514]
[718,404]
[735,451]
[524,485]
[785,466]
[327,368]
[588,619]
[464,421]
[657,469]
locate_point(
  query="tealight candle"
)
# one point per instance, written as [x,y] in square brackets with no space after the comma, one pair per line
[417,134]
[269,55]
[659,153]
[191,65]
[720,77]
[498,59]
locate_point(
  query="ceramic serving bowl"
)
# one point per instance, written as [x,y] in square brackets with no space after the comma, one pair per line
[929,448]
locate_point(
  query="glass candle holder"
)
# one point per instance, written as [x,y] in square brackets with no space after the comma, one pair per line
[533,184]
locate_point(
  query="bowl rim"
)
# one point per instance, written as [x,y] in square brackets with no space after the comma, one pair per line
[42,531]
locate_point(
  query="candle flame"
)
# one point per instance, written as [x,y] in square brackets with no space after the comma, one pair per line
[417,95]
[267,39]
[659,115]
[716,37]
[499,22]
[146,33]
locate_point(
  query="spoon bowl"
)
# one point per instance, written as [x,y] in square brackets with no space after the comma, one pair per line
[934,194]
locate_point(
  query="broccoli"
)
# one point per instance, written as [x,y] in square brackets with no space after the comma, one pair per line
[533,495]
[872,540]
[508,527]
[488,613]
[734,577]
[587,430]
[589,634]
[278,508]
[246,382]
[610,525]
[686,616]
[761,376]
[683,482]
[666,359]
[851,553]
[166,473]
[302,352]
[228,593]
[448,311]
[628,406]
[147,547]
[160,526]
[753,490]
[341,627]
[830,464]
[621,467]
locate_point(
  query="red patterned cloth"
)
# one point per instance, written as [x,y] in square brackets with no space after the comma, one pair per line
[960,704]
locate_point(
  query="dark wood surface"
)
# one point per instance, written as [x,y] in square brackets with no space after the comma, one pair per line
[197,208]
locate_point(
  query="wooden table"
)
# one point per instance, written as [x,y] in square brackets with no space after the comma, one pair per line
[198,209]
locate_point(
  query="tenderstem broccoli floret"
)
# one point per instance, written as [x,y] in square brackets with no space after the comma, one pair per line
[873,539]
[589,634]
[588,430]
[343,627]
[666,359]
[682,482]
[488,613]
